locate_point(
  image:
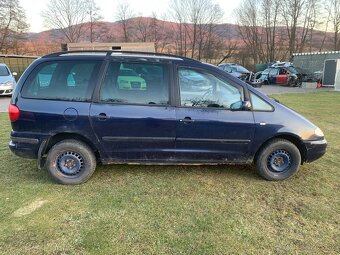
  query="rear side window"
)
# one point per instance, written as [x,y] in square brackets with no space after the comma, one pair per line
[136,83]
[62,80]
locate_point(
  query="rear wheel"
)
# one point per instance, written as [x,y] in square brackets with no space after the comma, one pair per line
[70,162]
[278,160]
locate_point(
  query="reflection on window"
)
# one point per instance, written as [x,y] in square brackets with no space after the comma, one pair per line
[63,80]
[136,83]
[201,89]
[259,104]
[45,75]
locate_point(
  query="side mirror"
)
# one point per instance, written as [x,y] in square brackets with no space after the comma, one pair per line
[241,105]
[246,105]
[14,74]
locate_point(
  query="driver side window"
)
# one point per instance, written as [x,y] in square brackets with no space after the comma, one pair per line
[202,89]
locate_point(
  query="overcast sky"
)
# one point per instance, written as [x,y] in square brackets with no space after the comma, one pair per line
[34,8]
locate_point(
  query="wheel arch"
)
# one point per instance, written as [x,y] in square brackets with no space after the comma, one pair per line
[51,141]
[291,138]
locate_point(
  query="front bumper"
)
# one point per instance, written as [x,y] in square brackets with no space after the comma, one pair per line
[6,90]
[315,149]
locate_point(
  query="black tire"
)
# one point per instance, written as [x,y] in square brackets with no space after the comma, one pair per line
[70,162]
[278,160]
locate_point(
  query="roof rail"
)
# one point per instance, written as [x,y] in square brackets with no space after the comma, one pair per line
[110,52]
[57,54]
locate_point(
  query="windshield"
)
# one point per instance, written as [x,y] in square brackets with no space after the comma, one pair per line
[266,71]
[3,71]
[241,69]
[292,69]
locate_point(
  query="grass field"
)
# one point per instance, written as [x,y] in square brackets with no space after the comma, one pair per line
[177,210]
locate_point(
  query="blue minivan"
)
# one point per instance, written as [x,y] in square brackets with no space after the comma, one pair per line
[73,110]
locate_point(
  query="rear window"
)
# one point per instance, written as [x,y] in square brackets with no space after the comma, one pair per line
[62,80]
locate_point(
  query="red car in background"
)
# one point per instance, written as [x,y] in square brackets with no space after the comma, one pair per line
[282,75]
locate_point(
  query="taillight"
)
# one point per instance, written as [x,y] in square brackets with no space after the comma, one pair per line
[14,112]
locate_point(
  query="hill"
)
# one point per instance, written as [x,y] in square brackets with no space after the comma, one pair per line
[163,33]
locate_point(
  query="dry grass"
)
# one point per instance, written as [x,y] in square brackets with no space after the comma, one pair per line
[177,210]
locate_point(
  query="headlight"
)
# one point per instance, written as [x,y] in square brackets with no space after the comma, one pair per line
[318,132]
[9,83]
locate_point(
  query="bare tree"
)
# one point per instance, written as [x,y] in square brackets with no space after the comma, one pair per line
[67,15]
[335,19]
[196,26]
[262,22]
[208,42]
[325,21]
[178,13]
[270,20]
[12,25]
[299,14]
[142,26]
[160,34]
[124,14]
[229,51]
[249,27]
[94,16]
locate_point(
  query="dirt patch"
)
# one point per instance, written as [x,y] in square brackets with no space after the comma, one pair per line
[29,208]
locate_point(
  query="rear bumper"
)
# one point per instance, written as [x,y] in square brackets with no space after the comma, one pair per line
[315,149]
[25,147]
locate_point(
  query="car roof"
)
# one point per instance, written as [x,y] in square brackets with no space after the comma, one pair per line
[109,54]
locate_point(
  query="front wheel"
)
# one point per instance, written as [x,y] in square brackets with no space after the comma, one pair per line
[278,160]
[70,162]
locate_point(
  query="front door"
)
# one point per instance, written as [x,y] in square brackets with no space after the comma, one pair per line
[133,119]
[282,77]
[273,73]
[211,125]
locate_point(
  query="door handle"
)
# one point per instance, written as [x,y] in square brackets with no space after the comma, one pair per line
[186,120]
[102,116]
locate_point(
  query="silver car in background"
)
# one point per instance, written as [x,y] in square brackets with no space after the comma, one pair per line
[7,81]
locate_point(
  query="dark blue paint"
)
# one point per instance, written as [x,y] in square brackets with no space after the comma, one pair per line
[166,134]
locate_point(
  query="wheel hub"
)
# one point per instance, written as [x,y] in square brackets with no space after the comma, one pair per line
[70,163]
[279,161]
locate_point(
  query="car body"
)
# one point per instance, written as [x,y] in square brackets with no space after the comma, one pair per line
[241,73]
[7,80]
[235,70]
[316,76]
[281,75]
[70,125]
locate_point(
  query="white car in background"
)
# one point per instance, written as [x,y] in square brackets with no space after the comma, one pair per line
[7,81]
